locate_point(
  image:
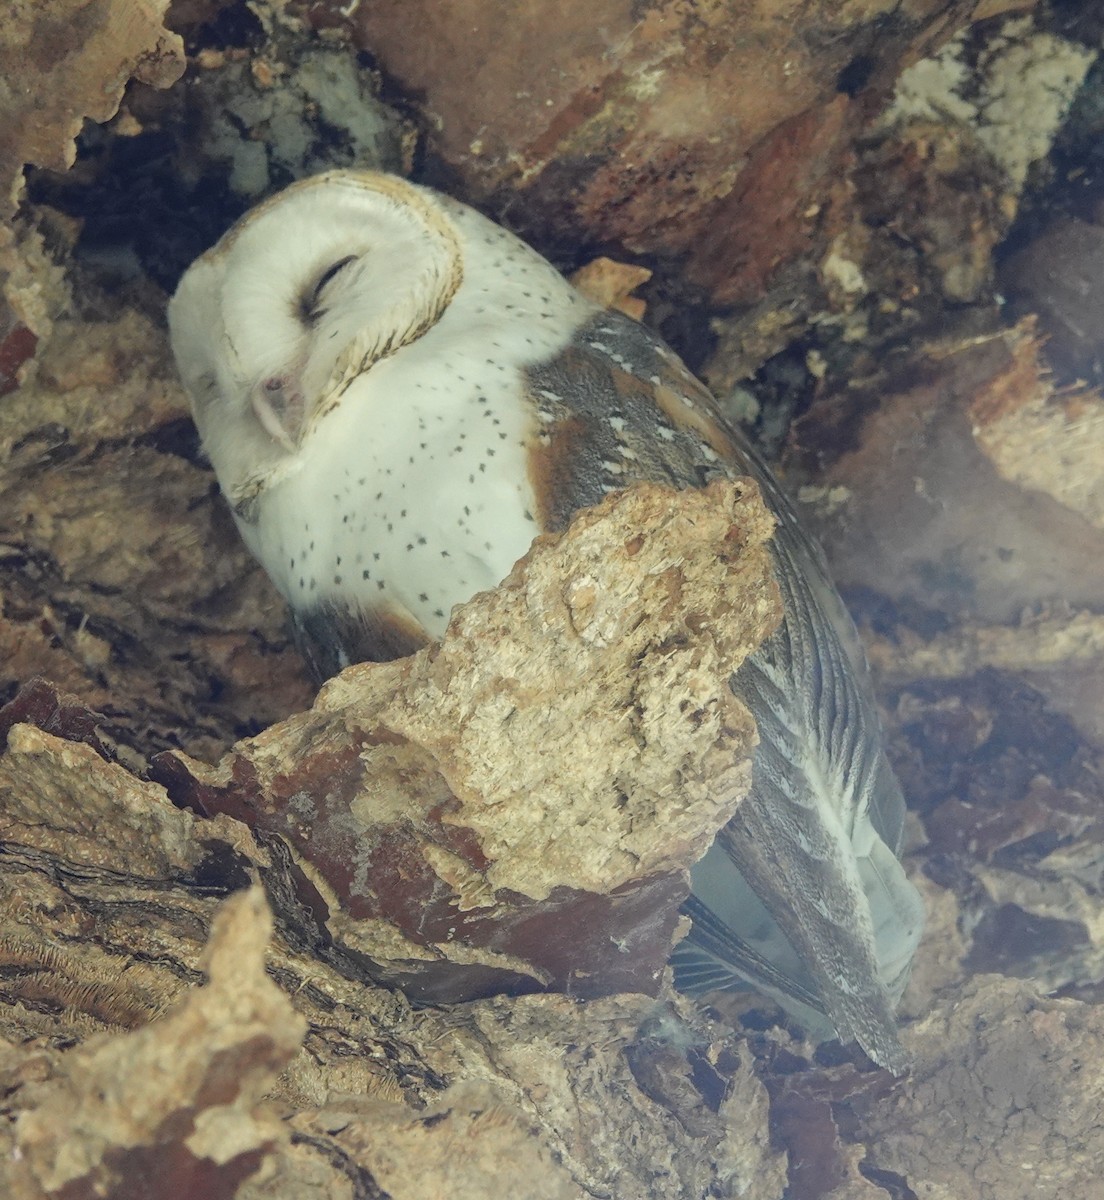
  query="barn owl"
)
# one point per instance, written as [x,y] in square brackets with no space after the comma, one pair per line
[397,396]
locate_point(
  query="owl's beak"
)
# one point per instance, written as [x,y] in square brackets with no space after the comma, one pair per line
[281,409]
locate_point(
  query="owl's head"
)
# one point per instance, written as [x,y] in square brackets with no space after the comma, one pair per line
[303,294]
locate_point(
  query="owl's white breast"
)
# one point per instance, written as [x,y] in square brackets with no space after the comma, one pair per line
[414,490]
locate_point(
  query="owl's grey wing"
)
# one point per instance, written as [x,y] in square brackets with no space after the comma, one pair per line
[823,822]
[802,894]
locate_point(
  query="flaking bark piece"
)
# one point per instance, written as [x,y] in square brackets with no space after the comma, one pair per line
[516,807]
[711,134]
[171,1109]
[1005,1098]
[80,55]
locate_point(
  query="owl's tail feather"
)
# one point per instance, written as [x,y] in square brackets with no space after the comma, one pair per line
[826,918]
[717,958]
[835,953]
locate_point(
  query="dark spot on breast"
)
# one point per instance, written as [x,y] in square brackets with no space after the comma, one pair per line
[554,469]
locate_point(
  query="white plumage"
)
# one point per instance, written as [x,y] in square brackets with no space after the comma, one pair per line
[397,395]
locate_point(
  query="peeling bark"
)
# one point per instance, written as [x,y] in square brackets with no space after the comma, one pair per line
[1004,1089]
[82,53]
[662,127]
[108,932]
[145,1052]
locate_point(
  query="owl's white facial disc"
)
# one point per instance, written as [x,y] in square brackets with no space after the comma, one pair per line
[355,350]
[301,296]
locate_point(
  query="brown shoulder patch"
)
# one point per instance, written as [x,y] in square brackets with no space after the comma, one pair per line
[554,458]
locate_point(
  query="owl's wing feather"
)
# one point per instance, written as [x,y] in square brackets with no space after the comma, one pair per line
[808,831]
[803,894]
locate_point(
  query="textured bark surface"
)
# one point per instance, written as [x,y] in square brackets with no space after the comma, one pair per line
[708,130]
[949,507]
[174,1105]
[109,894]
[1025,1097]
[851,252]
[81,55]
[124,574]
